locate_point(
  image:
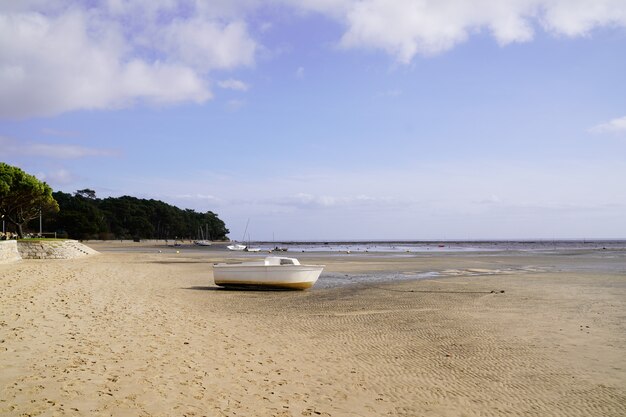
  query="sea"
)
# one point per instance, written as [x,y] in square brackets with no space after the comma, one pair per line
[441,246]
[608,255]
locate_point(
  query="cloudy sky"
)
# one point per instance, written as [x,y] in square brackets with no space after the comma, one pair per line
[329,119]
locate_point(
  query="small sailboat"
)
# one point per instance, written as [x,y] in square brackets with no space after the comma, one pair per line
[272,272]
[203,241]
[249,248]
[276,247]
[238,246]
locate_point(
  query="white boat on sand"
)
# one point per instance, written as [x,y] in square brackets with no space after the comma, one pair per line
[237,247]
[272,272]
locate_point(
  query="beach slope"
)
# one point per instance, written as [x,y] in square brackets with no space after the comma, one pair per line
[148,334]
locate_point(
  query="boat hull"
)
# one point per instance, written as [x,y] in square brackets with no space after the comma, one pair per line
[295,277]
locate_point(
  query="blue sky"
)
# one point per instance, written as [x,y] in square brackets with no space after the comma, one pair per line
[338,119]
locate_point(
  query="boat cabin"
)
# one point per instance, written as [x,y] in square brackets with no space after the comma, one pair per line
[279,260]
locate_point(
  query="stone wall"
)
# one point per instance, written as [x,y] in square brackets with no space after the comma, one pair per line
[8,251]
[55,249]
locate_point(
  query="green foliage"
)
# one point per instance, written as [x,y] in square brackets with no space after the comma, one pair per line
[84,216]
[23,197]
[79,217]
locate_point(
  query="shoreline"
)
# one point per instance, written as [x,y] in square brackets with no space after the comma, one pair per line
[621,241]
[148,334]
[381,246]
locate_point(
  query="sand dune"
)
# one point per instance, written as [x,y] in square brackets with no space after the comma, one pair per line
[147,334]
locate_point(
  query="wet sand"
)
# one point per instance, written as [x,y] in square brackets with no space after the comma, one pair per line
[143,333]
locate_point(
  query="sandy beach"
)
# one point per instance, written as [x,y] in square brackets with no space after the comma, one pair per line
[146,333]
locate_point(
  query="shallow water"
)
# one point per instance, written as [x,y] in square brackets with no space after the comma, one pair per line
[446,246]
[332,280]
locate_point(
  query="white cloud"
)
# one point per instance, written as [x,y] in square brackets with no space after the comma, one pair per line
[580,17]
[306,200]
[402,28]
[406,28]
[265,27]
[204,198]
[232,84]
[612,126]
[207,45]
[493,199]
[60,57]
[60,133]
[11,147]
[63,55]
[59,176]
[234,104]
[63,151]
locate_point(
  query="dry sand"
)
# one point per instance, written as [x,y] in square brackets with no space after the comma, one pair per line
[147,334]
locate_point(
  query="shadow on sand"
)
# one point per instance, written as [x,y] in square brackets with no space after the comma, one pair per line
[240,289]
[182,261]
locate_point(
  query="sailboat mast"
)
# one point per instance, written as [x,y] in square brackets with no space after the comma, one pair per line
[245,231]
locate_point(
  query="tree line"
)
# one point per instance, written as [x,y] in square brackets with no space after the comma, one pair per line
[82,215]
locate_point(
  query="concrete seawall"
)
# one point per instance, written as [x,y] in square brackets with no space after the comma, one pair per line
[8,251]
[11,250]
